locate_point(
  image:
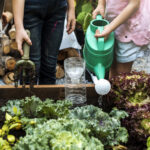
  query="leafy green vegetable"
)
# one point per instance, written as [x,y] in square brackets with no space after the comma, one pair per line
[33,107]
[104,127]
[131,92]
[53,125]
[12,107]
[61,134]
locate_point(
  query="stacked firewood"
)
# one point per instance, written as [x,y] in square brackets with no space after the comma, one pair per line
[8,49]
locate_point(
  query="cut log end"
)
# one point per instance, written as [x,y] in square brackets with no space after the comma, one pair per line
[9,78]
[10,63]
[6,49]
[59,72]
[2,70]
[7,17]
[5,44]
[66,53]
[12,33]
[13,45]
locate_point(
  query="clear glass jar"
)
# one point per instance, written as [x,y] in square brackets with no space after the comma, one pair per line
[75,84]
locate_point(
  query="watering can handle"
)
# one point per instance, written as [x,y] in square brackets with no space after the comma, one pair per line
[26,48]
[101,39]
[99,17]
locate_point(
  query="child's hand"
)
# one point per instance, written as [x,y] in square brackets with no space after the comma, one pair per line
[71,21]
[100,10]
[21,36]
[107,30]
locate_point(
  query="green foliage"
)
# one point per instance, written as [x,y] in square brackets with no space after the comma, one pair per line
[87,7]
[104,127]
[12,107]
[131,92]
[33,107]
[84,13]
[148,143]
[87,21]
[80,17]
[53,125]
[61,134]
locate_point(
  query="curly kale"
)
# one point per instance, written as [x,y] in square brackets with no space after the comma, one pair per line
[34,107]
[53,125]
[61,134]
[106,127]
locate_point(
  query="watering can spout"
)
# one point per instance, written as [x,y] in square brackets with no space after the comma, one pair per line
[99,71]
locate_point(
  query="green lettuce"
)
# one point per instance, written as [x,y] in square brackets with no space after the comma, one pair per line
[106,127]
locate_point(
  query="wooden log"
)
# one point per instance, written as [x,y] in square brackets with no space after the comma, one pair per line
[12,33]
[71,52]
[62,55]
[66,53]
[59,72]
[2,70]
[9,62]
[13,45]
[9,78]
[7,17]
[5,45]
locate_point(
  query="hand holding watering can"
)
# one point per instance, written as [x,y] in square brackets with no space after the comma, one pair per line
[98,54]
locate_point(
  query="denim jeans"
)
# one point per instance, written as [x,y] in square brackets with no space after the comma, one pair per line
[45,20]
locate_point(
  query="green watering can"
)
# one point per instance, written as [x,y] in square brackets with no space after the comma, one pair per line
[98,53]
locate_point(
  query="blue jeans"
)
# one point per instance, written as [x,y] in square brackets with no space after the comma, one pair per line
[45,20]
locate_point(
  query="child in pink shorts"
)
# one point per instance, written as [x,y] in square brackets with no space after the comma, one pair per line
[130,19]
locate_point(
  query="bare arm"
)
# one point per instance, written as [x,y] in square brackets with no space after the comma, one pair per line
[71,22]
[71,4]
[127,12]
[100,9]
[130,9]
[18,10]
[102,3]
[21,35]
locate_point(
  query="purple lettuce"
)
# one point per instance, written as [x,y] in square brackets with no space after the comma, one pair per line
[131,92]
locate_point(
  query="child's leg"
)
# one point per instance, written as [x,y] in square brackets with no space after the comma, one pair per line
[51,40]
[125,54]
[117,68]
[33,20]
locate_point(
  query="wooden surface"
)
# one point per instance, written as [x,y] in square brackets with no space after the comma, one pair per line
[55,92]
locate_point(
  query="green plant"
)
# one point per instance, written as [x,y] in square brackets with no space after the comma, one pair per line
[106,127]
[54,125]
[148,143]
[131,92]
[84,10]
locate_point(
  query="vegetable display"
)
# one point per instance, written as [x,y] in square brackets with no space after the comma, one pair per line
[131,92]
[58,126]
